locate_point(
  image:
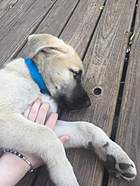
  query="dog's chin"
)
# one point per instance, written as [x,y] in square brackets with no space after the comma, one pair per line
[72,108]
[72,105]
[78,108]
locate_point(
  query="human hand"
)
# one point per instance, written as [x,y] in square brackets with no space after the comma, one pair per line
[37,112]
[12,168]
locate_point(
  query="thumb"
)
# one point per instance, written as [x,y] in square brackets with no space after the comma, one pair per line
[64,138]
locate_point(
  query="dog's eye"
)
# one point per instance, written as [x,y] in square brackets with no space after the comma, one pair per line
[77,75]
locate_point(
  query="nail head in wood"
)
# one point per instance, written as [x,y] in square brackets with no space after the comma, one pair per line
[97,91]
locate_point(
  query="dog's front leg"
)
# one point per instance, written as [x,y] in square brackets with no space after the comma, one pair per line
[21,134]
[84,134]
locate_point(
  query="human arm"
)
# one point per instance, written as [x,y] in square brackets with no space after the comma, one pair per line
[12,168]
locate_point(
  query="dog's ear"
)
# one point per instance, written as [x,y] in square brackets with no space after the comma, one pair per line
[47,43]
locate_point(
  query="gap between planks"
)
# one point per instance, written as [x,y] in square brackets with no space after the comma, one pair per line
[120,94]
[128,123]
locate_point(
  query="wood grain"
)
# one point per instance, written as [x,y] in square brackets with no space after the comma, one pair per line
[5,6]
[81,25]
[128,134]
[55,21]
[58,17]
[28,180]
[18,22]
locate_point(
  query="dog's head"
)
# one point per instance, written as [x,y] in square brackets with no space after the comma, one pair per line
[61,68]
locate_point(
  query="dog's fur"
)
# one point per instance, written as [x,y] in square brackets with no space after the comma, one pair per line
[62,71]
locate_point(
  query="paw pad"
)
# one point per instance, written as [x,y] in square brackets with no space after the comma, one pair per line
[125,166]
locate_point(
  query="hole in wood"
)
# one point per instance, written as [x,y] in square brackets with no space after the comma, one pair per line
[97,91]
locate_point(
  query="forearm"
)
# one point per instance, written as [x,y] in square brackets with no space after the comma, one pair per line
[12,169]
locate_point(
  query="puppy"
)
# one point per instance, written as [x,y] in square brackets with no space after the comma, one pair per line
[62,71]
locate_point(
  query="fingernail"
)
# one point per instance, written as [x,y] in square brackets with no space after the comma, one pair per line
[45,106]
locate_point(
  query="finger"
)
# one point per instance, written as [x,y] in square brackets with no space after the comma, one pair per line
[64,138]
[43,110]
[27,111]
[51,122]
[34,110]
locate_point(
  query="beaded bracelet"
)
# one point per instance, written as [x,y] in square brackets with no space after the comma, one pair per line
[12,151]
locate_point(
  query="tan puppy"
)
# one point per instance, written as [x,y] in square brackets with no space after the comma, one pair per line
[62,71]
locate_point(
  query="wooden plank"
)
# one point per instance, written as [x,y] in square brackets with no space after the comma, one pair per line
[5,6]
[28,179]
[104,63]
[58,17]
[80,28]
[128,133]
[55,21]
[18,22]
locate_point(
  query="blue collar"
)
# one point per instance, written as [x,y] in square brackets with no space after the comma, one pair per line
[36,75]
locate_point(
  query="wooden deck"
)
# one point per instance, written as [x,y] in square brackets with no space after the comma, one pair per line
[101,32]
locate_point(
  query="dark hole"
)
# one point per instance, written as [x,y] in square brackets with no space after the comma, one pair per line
[97,91]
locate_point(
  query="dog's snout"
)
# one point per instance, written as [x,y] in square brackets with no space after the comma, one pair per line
[79,99]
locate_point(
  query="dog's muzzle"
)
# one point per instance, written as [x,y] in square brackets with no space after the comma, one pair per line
[79,99]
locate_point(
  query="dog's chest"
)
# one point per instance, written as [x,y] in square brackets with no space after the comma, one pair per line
[16,92]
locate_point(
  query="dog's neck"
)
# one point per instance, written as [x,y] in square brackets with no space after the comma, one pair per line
[44,69]
[36,75]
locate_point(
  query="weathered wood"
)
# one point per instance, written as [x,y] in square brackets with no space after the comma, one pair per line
[5,6]
[58,17]
[104,62]
[55,21]
[28,179]
[80,27]
[18,22]
[128,133]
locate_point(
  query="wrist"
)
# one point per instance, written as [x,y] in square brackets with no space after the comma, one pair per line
[21,156]
[13,162]
[12,169]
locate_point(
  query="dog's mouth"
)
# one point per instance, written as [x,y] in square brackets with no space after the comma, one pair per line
[76,100]
[75,104]
[73,108]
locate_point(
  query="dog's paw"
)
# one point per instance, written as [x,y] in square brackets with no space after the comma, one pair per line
[119,168]
[116,160]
